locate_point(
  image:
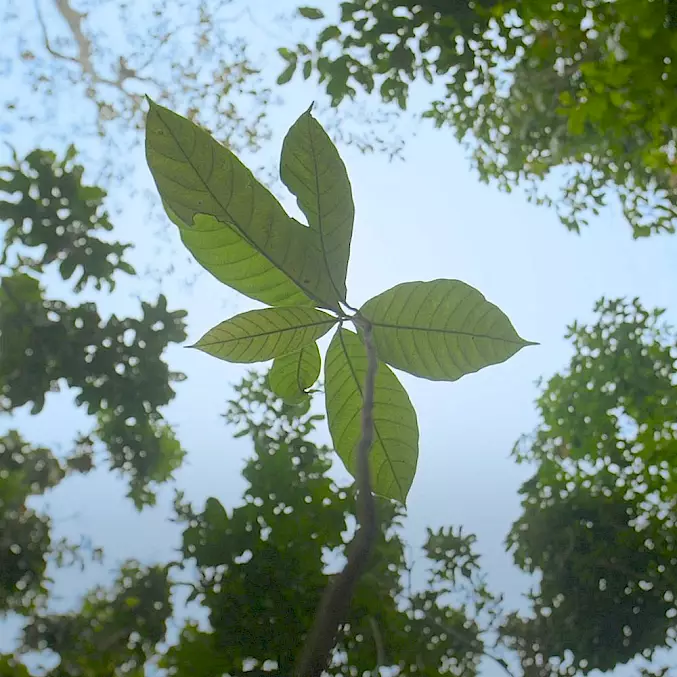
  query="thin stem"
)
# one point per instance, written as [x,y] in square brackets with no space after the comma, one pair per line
[378,641]
[335,603]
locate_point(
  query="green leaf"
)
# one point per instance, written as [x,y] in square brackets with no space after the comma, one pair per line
[287,54]
[440,330]
[313,171]
[287,74]
[292,375]
[220,249]
[394,453]
[260,335]
[327,34]
[196,175]
[311,13]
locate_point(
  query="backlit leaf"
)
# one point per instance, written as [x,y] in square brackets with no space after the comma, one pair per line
[197,175]
[220,249]
[394,453]
[292,375]
[440,330]
[313,171]
[260,335]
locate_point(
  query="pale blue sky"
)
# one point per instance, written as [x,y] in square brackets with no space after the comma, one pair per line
[421,219]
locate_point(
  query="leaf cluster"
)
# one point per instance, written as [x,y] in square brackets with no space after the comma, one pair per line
[237,230]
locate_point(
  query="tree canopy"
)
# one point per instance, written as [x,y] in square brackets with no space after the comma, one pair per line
[598,522]
[573,100]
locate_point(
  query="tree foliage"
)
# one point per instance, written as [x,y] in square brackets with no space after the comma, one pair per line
[598,522]
[109,55]
[261,567]
[581,91]
[115,364]
[83,69]
[54,222]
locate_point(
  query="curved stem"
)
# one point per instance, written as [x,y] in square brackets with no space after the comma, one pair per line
[335,603]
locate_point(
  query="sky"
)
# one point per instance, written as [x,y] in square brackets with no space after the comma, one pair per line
[423,218]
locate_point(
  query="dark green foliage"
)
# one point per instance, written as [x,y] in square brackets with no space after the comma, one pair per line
[261,566]
[114,364]
[47,206]
[114,632]
[25,542]
[598,521]
[533,87]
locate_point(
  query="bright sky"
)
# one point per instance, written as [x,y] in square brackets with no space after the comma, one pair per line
[425,218]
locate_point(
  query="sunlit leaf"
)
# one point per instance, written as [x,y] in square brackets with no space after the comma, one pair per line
[260,335]
[440,330]
[197,175]
[292,375]
[394,453]
[227,255]
[313,171]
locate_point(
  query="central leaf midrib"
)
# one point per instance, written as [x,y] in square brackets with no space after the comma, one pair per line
[386,325]
[320,222]
[232,220]
[271,332]
[376,430]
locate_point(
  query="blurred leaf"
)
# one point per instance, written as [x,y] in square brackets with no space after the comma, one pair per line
[310,13]
[287,74]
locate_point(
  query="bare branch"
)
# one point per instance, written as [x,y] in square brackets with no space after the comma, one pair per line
[74,20]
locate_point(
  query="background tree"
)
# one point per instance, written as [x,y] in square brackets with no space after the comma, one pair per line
[261,569]
[599,512]
[55,223]
[190,56]
[581,92]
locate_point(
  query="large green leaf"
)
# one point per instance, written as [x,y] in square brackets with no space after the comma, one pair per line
[292,375]
[440,330]
[260,335]
[313,171]
[197,175]
[221,250]
[394,453]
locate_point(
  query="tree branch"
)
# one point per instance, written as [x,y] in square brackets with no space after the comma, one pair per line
[74,19]
[335,603]
[378,641]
